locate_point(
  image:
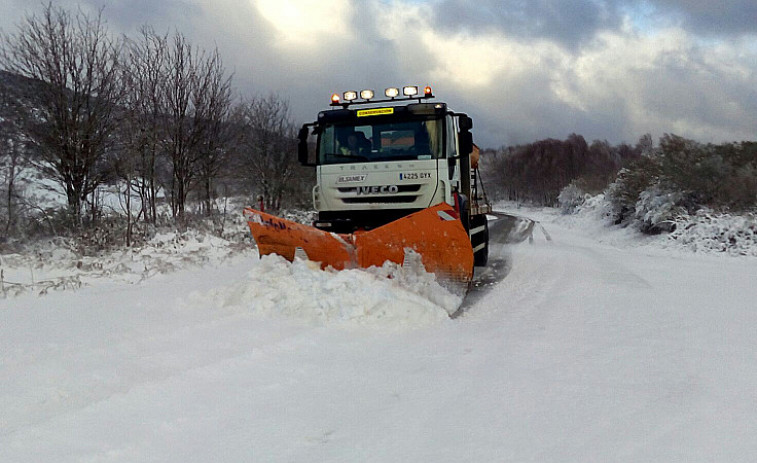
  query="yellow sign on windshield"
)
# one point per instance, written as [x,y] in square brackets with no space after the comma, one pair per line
[375,112]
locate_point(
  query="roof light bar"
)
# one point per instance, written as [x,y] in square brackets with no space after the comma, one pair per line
[409,92]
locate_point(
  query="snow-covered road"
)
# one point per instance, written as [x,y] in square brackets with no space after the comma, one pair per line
[585,352]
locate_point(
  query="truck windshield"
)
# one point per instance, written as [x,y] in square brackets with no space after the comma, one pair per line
[381,141]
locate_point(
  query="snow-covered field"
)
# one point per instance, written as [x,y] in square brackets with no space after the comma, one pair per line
[597,346]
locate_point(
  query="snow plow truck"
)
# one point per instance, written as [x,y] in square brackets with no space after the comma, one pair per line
[396,176]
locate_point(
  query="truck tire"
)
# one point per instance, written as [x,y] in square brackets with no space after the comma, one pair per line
[480,237]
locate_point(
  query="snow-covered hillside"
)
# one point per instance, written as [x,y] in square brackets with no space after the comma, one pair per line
[596,346]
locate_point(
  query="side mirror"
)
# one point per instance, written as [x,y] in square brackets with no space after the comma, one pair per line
[466,143]
[465,139]
[465,122]
[302,146]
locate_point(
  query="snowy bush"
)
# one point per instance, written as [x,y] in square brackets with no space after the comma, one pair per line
[705,231]
[623,194]
[708,231]
[597,206]
[656,210]
[571,198]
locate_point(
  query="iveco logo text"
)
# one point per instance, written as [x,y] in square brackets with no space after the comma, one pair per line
[377,190]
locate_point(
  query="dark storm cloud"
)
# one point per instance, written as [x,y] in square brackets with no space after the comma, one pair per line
[121,16]
[725,17]
[572,23]
[135,13]
[568,23]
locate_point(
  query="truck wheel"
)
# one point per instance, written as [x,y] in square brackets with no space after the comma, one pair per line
[480,239]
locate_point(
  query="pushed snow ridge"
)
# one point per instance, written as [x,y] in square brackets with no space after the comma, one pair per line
[391,294]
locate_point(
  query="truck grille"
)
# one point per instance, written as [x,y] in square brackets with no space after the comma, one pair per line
[400,189]
[402,194]
[380,200]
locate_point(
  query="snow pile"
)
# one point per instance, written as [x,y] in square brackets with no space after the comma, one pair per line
[413,275]
[390,295]
[274,288]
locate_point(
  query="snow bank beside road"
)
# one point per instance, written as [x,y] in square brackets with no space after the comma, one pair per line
[716,233]
[57,265]
[706,232]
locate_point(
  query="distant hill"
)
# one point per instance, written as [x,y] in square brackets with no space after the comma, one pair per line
[18,95]
[18,88]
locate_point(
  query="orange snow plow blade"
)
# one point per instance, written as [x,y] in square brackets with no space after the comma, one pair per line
[435,234]
[275,235]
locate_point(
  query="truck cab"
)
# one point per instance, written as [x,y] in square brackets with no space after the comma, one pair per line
[378,161]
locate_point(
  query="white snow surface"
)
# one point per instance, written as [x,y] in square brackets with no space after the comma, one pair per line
[597,346]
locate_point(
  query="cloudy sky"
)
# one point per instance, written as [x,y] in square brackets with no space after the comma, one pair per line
[523,69]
